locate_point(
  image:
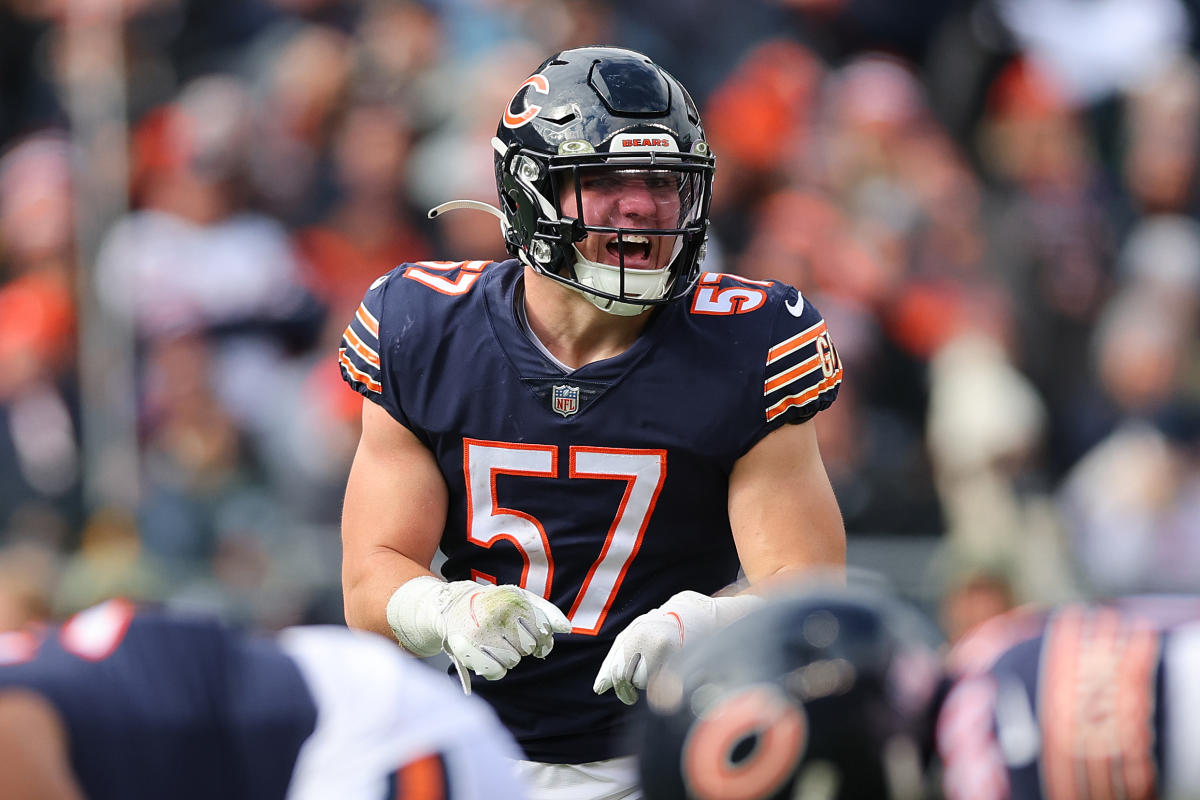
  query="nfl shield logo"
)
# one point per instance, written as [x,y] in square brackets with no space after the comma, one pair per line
[565,399]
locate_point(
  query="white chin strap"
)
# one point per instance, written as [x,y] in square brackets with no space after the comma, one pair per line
[648,284]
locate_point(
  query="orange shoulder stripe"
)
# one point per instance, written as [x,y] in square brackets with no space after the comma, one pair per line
[358,374]
[794,343]
[360,347]
[803,397]
[787,376]
[367,319]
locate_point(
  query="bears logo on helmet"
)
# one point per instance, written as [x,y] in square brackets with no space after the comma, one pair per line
[829,693]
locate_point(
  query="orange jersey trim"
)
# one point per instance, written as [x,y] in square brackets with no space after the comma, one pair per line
[805,396]
[422,779]
[367,319]
[360,347]
[358,374]
[787,376]
[794,343]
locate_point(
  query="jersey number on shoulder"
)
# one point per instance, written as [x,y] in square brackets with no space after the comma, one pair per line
[643,472]
[440,283]
[712,298]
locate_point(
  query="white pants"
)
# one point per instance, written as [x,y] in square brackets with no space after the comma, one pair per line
[379,709]
[611,779]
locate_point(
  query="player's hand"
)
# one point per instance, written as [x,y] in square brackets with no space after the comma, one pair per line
[647,642]
[488,629]
[483,628]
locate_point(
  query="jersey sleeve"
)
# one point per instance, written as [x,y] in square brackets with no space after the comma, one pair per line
[803,370]
[362,354]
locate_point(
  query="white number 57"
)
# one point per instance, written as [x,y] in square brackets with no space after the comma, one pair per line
[643,472]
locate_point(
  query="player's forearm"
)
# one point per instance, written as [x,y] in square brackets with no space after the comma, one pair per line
[782,553]
[774,550]
[369,581]
[788,577]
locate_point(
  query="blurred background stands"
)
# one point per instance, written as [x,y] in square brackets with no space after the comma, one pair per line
[992,201]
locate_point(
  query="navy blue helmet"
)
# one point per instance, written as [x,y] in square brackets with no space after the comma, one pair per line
[827,694]
[595,114]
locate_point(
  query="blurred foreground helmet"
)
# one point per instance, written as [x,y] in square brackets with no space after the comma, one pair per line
[601,117]
[827,694]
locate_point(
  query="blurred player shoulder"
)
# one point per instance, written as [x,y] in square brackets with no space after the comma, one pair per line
[387,719]
[128,703]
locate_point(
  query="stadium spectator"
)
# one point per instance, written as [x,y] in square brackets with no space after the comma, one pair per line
[1028,176]
[39,443]
[1132,502]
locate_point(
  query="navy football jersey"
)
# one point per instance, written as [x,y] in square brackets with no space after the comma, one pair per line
[165,707]
[604,488]
[1085,701]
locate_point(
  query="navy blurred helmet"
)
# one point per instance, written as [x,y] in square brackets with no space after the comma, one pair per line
[829,693]
[596,113]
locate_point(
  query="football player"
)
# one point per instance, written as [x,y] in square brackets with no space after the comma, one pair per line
[127,704]
[596,433]
[1087,700]
[825,694]
[843,694]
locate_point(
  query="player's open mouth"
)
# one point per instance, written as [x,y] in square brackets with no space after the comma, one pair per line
[634,250]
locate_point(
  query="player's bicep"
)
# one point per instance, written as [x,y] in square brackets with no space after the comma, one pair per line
[782,509]
[392,517]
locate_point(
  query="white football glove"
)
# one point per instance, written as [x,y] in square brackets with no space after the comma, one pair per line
[647,642]
[484,628]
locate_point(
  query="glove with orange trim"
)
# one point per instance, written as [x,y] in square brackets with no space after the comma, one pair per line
[483,628]
[648,641]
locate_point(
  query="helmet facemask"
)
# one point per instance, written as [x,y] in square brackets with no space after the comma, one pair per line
[627,230]
[590,116]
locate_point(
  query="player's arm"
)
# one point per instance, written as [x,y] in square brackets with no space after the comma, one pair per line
[392,520]
[392,517]
[33,750]
[782,510]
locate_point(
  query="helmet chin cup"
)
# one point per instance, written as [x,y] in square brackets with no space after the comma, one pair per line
[615,307]
[640,284]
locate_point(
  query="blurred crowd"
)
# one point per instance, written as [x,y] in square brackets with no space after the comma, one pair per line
[993,202]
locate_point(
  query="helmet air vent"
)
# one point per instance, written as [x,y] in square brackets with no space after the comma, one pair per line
[558,116]
[630,87]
